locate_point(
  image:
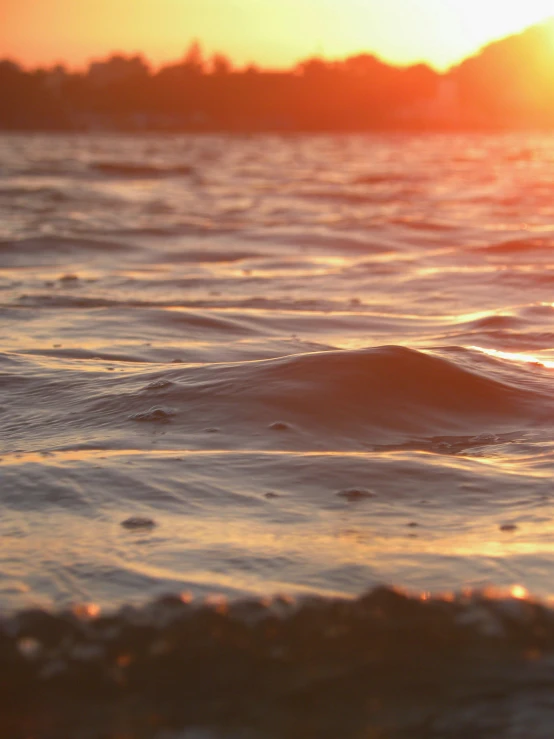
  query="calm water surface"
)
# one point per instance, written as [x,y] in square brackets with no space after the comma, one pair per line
[316,364]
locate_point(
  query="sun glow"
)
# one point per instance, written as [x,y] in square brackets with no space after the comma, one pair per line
[440,32]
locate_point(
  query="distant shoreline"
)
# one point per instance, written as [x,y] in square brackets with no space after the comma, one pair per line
[507,86]
[390,131]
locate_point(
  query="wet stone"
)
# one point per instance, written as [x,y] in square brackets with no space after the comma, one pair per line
[29,648]
[43,626]
[133,668]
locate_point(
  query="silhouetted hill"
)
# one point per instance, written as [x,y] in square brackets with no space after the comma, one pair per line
[509,83]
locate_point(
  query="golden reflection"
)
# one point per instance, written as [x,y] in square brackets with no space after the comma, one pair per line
[386,543]
[475,316]
[63,456]
[387,549]
[515,357]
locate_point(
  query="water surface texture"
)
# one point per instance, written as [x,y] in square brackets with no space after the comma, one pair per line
[251,365]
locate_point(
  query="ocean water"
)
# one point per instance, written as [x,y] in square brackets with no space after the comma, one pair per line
[242,366]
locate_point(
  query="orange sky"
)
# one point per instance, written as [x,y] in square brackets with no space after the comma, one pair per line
[271,32]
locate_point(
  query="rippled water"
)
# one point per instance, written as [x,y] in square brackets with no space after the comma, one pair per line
[312,364]
[258,365]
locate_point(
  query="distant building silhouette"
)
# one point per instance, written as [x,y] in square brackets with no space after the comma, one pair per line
[117,69]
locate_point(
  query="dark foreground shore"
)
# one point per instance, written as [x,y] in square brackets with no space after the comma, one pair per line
[385,665]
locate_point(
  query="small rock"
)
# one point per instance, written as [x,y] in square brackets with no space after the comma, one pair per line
[87,652]
[482,620]
[138,522]
[508,527]
[29,648]
[279,426]
[270,496]
[53,669]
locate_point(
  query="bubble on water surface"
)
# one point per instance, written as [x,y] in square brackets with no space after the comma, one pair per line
[353,495]
[138,522]
[154,415]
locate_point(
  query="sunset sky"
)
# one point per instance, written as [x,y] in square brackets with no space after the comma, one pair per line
[273,33]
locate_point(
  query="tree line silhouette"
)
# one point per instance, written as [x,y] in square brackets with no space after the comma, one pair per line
[509,83]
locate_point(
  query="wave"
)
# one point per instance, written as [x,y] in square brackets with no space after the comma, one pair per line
[384,395]
[516,246]
[73,301]
[140,171]
[204,256]
[286,305]
[496,323]
[15,251]
[383,178]
[387,388]
[86,354]
[418,224]
[48,194]
[384,664]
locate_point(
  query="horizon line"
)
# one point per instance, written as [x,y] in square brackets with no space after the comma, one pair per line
[157,66]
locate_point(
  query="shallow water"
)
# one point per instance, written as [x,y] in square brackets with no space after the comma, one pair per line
[314,364]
